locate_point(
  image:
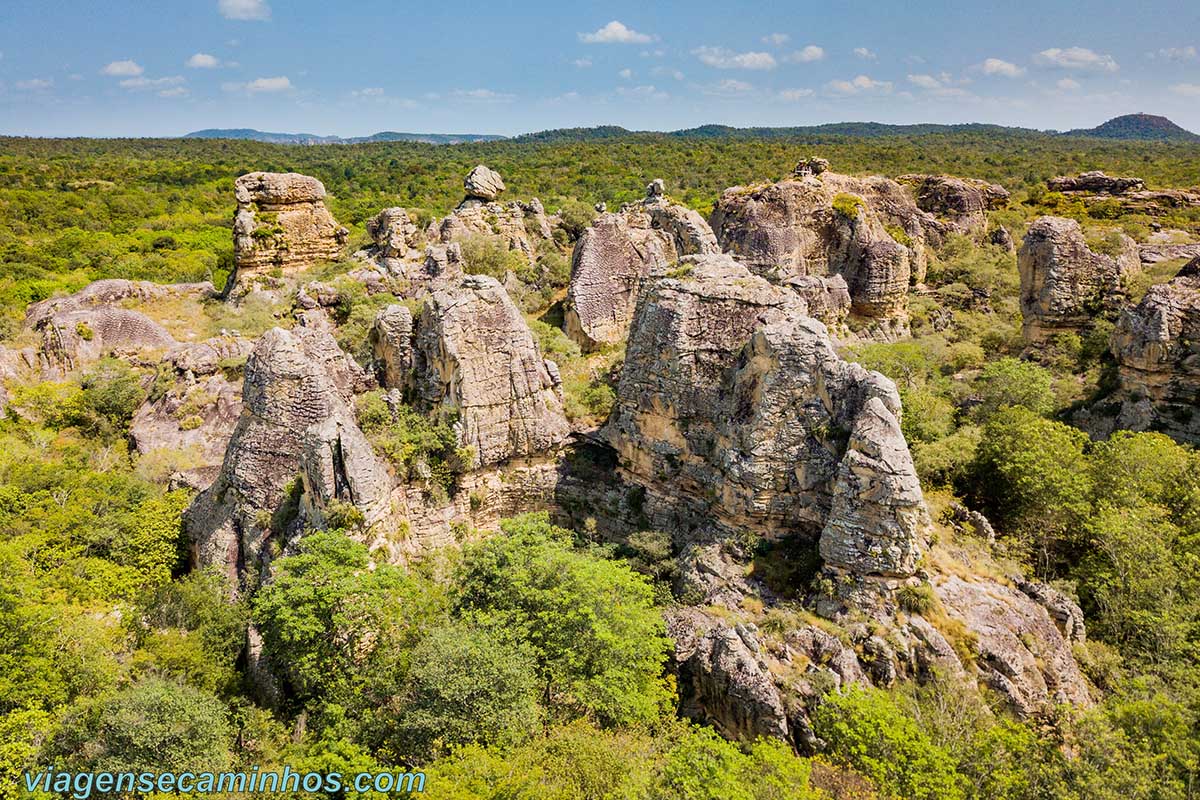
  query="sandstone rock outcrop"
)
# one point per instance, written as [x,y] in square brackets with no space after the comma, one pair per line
[111,292]
[1065,285]
[1095,182]
[1157,347]
[734,413]
[1129,195]
[962,202]
[392,346]
[394,234]
[868,230]
[521,226]
[474,359]
[74,339]
[282,222]
[294,379]
[617,252]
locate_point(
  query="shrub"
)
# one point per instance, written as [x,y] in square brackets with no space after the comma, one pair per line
[848,205]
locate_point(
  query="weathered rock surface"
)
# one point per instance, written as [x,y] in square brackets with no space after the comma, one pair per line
[475,359]
[483,183]
[282,222]
[74,339]
[1157,347]
[734,413]
[392,346]
[197,413]
[394,234]
[294,379]
[1022,654]
[1154,253]
[792,228]
[1096,182]
[962,202]
[111,292]
[617,252]
[1064,284]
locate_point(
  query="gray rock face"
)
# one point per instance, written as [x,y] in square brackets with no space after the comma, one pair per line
[475,359]
[394,234]
[1157,347]
[75,339]
[827,297]
[110,292]
[1064,284]
[506,221]
[483,183]
[811,166]
[294,379]
[391,343]
[962,202]
[734,409]
[1022,654]
[613,256]
[1095,182]
[282,222]
[792,228]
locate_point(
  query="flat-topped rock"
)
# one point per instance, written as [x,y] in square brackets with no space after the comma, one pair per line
[282,223]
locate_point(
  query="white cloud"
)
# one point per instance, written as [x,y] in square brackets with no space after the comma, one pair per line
[776,39]
[862,84]
[643,93]
[1076,58]
[998,66]
[941,85]
[1068,85]
[203,61]
[724,58]
[667,72]
[1187,89]
[279,84]
[626,73]
[142,82]
[177,91]
[1175,53]
[582,63]
[793,95]
[123,69]
[616,33]
[244,9]
[865,54]
[729,87]
[370,91]
[807,54]
[484,96]
[925,81]
[35,84]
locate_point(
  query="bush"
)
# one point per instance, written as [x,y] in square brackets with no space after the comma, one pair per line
[848,205]
[1010,382]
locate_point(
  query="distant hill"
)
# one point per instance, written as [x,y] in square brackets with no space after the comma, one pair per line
[312,138]
[860,130]
[1139,126]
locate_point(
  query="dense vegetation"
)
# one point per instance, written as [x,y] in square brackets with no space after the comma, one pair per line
[531,664]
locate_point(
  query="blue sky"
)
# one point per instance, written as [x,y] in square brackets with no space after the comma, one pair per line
[121,68]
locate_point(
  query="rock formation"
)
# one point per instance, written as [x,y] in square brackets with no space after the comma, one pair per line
[734,413]
[394,234]
[1157,347]
[961,202]
[483,183]
[1129,195]
[111,292]
[1095,182]
[475,361]
[521,226]
[392,346]
[1064,284]
[616,252]
[75,339]
[282,222]
[818,223]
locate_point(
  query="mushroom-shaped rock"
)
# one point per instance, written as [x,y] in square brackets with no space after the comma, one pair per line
[483,183]
[282,222]
[1065,285]
[476,361]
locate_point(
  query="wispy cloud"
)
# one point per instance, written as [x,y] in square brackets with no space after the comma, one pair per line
[35,84]
[794,95]
[483,96]
[260,85]
[626,73]
[370,91]
[729,88]
[1179,54]
[582,63]
[1068,84]
[616,32]
[667,72]
[863,84]
[806,55]
[203,61]
[776,39]
[1000,67]
[176,91]
[1077,58]
[724,58]
[142,82]
[244,9]
[940,85]
[865,54]
[646,92]
[122,69]
[1187,89]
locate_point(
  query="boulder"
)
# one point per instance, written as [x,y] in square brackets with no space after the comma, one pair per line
[1157,348]
[476,361]
[735,413]
[483,183]
[1095,182]
[394,234]
[282,222]
[76,339]
[962,202]
[1064,284]
[111,292]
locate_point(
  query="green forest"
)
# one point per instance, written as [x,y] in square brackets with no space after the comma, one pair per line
[534,663]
